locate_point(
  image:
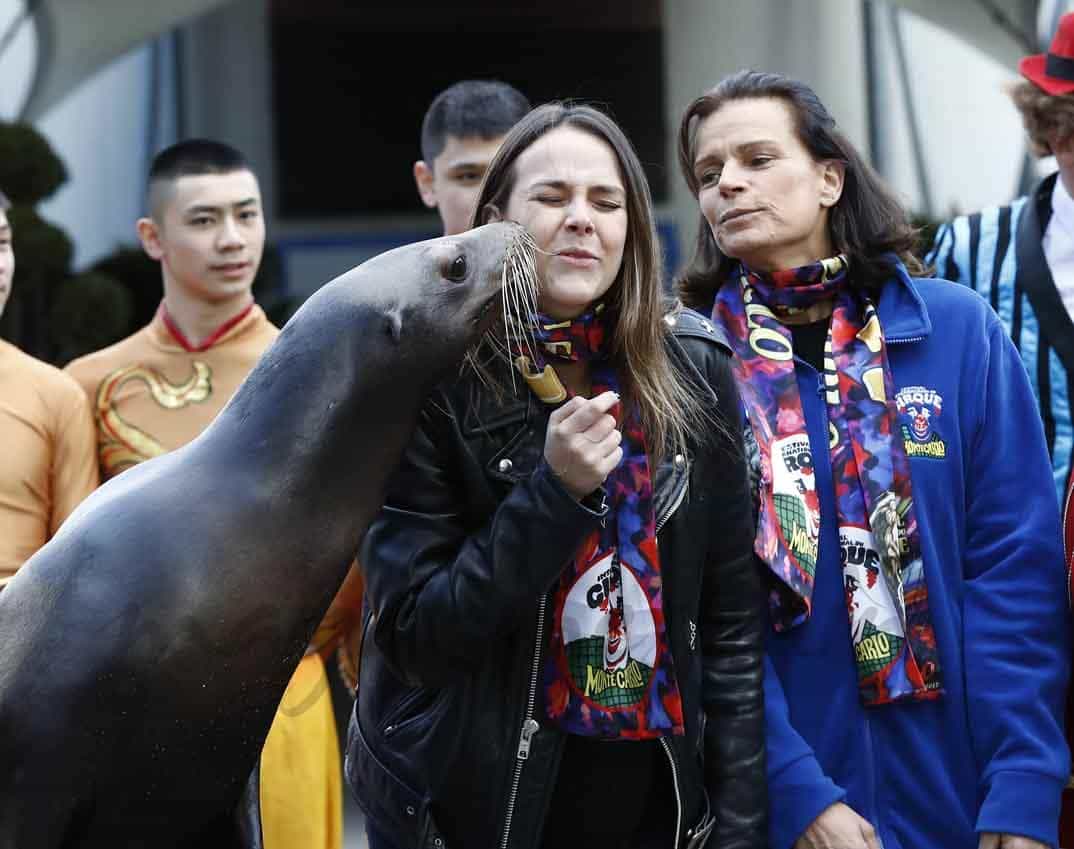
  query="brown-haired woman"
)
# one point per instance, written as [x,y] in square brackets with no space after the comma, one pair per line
[542,669]
[919,635]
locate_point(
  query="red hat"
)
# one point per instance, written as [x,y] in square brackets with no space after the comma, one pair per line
[1054,71]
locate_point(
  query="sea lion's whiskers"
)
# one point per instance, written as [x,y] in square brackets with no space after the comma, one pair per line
[524,296]
[522,280]
[518,299]
[498,347]
[518,324]
[530,291]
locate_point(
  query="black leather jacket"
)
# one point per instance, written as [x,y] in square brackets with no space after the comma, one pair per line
[448,746]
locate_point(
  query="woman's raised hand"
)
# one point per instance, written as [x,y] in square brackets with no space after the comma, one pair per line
[582,443]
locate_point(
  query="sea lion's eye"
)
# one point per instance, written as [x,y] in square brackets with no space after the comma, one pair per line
[457,270]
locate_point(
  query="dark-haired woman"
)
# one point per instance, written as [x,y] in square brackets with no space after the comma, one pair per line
[919,633]
[565,638]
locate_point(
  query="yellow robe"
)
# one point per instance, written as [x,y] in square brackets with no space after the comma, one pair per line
[48,462]
[152,395]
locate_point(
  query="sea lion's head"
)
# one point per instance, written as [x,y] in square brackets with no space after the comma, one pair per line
[422,307]
[458,281]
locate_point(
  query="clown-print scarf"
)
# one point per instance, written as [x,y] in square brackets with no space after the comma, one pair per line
[886,595]
[609,671]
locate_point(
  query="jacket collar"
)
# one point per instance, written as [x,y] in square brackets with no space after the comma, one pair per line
[166,336]
[902,310]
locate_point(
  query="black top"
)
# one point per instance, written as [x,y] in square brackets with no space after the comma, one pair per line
[602,791]
[809,340]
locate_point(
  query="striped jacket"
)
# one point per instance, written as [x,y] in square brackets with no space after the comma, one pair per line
[998,252]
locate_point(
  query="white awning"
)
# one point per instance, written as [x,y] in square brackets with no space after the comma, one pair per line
[75,38]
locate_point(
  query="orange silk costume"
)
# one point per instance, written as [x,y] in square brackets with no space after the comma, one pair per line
[152,393]
[47,454]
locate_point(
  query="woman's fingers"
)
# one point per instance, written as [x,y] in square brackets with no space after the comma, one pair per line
[582,445]
[584,415]
[565,410]
[599,430]
[608,464]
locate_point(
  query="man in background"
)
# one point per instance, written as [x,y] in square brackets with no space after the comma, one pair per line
[1020,257]
[461,132]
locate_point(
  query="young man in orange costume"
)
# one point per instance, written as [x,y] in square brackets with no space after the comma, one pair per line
[159,388]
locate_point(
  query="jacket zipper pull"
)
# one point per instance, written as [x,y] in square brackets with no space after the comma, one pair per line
[529,728]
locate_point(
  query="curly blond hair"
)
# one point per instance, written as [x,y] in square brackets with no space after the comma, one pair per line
[1043,115]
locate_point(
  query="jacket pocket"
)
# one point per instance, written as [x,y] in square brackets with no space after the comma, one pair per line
[393,805]
[409,709]
[517,458]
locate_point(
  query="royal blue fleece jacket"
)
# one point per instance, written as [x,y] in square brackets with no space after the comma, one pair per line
[990,755]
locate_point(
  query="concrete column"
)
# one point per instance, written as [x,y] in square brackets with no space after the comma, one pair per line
[226,86]
[819,42]
[19,55]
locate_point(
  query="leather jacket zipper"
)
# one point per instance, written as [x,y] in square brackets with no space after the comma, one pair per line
[679,498]
[675,783]
[530,726]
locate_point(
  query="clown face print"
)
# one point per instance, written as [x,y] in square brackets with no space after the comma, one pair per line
[919,417]
[610,635]
[919,422]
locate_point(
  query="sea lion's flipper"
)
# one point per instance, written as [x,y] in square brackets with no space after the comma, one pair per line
[248,812]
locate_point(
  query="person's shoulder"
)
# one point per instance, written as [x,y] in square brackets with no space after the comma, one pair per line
[940,295]
[49,382]
[263,326]
[254,336]
[951,305]
[702,343]
[33,368]
[686,323]
[90,369]
[988,217]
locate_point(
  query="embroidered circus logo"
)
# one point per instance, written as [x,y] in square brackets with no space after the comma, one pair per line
[610,635]
[919,411]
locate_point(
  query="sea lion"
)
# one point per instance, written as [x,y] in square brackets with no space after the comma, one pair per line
[144,650]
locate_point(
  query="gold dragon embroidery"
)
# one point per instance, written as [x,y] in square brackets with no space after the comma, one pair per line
[121,444]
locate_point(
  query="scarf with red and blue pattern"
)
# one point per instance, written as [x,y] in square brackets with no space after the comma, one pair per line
[883,573]
[609,671]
